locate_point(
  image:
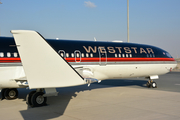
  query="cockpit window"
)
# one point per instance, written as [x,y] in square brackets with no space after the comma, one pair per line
[168,55]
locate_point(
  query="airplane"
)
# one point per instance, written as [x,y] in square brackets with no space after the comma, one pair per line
[30,60]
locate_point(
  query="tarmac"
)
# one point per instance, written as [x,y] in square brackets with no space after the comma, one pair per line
[124,99]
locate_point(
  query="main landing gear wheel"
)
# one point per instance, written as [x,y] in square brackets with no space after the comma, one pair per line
[36,99]
[10,94]
[151,84]
[2,93]
[28,98]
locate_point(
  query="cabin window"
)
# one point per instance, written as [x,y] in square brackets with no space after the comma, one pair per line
[87,55]
[72,54]
[150,55]
[67,54]
[91,55]
[77,54]
[127,55]
[119,55]
[130,55]
[153,55]
[147,55]
[115,55]
[15,54]
[82,54]
[123,55]
[62,55]
[8,54]
[1,54]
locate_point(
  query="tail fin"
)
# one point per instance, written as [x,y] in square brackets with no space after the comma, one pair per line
[43,67]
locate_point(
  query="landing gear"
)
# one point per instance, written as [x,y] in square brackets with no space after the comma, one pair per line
[2,94]
[28,98]
[9,94]
[151,84]
[36,99]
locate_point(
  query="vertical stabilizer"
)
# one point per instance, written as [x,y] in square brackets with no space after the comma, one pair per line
[43,66]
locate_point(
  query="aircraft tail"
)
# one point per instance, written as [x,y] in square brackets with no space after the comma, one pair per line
[43,66]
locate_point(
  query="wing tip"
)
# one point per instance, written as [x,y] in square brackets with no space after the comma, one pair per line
[21,31]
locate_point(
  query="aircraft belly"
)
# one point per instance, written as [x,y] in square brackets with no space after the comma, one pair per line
[10,74]
[126,70]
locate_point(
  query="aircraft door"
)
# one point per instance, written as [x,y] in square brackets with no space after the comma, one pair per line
[102,56]
[62,53]
[77,55]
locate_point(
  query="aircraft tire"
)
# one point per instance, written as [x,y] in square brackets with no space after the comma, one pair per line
[3,93]
[28,98]
[38,99]
[153,85]
[11,94]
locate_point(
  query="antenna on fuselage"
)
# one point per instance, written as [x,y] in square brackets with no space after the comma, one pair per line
[95,39]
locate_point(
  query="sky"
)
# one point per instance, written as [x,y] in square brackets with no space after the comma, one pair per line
[153,22]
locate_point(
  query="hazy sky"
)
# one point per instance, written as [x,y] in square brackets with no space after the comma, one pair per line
[154,22]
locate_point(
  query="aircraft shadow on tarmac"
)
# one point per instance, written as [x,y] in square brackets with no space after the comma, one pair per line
[57,105]
[124,82]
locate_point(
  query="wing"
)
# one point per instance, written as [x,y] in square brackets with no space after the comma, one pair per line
[43,67]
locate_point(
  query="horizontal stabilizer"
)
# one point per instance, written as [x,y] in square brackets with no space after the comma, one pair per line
[43,66]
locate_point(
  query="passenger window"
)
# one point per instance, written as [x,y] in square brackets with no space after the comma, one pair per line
[72,54]
[67,55]
[115,55]
[87,55]
[123,55]
[127,55]
[130,55]
[77,54]
[147,55]
[62,55]
[1,54]
[119,55]
[8,54]
[15,54]
[82,54]
[91,55]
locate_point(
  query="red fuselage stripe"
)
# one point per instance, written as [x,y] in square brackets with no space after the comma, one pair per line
[6,60]
[118,59]
[10,60]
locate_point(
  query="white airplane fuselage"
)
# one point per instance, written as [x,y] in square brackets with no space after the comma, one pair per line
[91,59]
